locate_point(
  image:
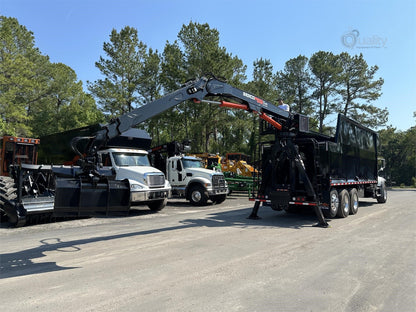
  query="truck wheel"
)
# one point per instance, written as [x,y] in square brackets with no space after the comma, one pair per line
[198,196]
[333,204]
[382,198]
[344,208]
[354,201]
[158,205]
[218,199]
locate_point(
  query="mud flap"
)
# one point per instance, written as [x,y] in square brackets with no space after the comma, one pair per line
[75,197]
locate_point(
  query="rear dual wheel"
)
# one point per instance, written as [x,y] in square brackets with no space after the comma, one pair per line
[354,201]
[333,204]
[342,204]
[344,208]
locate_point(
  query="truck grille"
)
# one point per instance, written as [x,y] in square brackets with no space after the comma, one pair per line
[155,180]
[218,180]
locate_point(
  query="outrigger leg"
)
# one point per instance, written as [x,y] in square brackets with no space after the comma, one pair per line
[253,215]
[321,219]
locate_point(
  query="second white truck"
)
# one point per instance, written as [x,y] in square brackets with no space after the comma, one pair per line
[188,176]
[191,180]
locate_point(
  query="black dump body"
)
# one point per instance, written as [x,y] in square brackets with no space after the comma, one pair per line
[353,155]
[348,158]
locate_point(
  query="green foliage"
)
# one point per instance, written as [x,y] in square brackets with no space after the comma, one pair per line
[21,80]
[399,150]
[196,52]
[37,97]
[325,68]
[263,85]
[294,81]
[65,106]
[122,68]
[357,83]
[345,84]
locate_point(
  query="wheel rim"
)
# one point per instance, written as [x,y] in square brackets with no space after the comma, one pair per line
[196,196]
[355,203]
[334,203]
[347,206]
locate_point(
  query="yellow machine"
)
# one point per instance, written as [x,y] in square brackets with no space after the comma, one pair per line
[233,163]
[210,161]
[236,163]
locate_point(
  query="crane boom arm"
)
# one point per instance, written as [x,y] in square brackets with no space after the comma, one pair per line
[196,90]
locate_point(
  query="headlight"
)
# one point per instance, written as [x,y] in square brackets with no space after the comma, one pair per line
[136,187]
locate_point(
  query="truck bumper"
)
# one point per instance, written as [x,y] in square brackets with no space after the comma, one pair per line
[218,191]
[149,195]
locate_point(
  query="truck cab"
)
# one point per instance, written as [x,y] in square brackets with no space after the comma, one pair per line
[17,150]
[147,184]
[190,179]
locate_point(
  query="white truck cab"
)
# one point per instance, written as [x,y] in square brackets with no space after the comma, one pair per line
[148,185]
[191,180]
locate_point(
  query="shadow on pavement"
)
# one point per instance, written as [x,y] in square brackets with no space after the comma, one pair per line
[21,263]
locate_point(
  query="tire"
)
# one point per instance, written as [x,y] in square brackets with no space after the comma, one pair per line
[333,204]
[354,201]
[8,188]
[344,208]
[198,196]
[383,194]
[8,195]
[218,199]
[158,205]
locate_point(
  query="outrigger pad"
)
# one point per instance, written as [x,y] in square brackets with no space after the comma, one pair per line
[321,219]
[75,197]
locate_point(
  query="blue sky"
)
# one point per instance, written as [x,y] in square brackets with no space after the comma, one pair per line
[73,33]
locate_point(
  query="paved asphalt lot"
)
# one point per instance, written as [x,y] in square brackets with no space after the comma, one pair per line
[214,259]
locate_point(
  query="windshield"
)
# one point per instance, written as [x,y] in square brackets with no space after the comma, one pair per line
[130,159]
[192,163]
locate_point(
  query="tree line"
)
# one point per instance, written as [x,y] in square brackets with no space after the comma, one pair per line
[39,97]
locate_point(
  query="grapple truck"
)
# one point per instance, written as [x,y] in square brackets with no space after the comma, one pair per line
[290,174]
[325,173]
